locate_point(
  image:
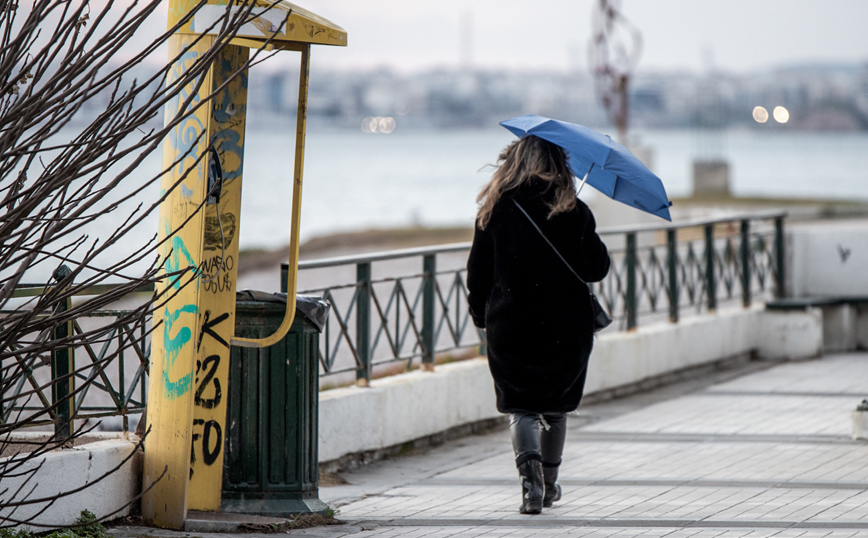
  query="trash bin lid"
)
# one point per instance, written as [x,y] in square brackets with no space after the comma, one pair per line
[315,309]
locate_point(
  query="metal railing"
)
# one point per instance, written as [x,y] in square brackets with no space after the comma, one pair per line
[663,271]
[659,272]
[101,373]
[399,307]
[375,321]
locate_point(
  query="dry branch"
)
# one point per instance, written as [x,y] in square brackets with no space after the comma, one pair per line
[63,171]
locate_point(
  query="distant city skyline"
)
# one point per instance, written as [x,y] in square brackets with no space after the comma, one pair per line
[678,35]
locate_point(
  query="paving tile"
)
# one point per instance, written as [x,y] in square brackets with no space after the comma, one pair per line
[731,414]
[839,374]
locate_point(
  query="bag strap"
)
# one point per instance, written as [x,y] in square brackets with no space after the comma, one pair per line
[570,267]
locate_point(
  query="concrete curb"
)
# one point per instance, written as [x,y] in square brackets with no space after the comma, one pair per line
[225,522]
[70,468]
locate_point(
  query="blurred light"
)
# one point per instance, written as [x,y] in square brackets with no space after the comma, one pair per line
[369,125]
[760,114]
[387,125]
[402,109]
[781,114]
[379,124]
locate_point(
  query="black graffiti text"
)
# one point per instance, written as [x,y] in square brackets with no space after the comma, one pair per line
[212,441]
[216,263]
[209,367]
[208,325]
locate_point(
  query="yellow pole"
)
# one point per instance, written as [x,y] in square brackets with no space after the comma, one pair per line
[173,342]
[218,277]
[190,349]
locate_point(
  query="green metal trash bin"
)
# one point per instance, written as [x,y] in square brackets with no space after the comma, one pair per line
[271,465]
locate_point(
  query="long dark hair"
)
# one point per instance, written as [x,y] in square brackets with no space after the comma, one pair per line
[522,161]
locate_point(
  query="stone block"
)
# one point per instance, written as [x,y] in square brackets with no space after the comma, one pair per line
[790,334]
[839,328]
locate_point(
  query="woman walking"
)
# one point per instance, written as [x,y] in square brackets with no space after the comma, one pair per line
[536,313]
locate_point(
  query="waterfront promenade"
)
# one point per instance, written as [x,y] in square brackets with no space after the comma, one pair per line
[759,450]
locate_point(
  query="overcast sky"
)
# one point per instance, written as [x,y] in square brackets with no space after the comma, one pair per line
[735,35]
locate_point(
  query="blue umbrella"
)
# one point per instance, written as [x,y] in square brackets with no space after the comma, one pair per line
[604,164]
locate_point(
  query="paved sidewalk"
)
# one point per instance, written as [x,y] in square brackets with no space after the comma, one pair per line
[766,453]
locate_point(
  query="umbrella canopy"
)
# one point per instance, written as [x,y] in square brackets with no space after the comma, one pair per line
[605,164]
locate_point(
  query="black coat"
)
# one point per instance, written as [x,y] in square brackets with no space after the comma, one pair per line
[536,313]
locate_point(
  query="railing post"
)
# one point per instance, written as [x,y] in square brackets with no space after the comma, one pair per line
[429,270]
[125,419]
[779,257]
[672,263]
[363,324]
[745,263]
[62,367]
[710,283]
[630,302]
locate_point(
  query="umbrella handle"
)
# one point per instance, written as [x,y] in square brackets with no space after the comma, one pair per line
[584,180]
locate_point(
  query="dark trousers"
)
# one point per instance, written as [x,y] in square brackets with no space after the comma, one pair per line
[538,437]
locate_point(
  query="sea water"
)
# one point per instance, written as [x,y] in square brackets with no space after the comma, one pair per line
[354,180]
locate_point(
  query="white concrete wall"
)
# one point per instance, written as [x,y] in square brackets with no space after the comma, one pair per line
[67,469]
[402,408]
[827,258]
[623,358]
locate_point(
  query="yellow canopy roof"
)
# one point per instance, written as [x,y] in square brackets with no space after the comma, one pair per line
[287,22]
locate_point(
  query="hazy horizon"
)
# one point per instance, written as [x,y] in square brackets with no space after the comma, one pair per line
[731,36]
[678,35]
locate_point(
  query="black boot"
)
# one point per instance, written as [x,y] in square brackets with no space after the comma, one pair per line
[552,488]
[530,473]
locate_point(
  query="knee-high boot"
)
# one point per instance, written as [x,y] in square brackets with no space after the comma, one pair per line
[552,440]
[530,473]
[525,431]
[552,488]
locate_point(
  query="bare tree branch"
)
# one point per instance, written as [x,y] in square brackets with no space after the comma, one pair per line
[71,210]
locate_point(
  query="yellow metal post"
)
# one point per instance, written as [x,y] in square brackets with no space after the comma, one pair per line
[189,367]
[187,400]
[173,342]
[218,275]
